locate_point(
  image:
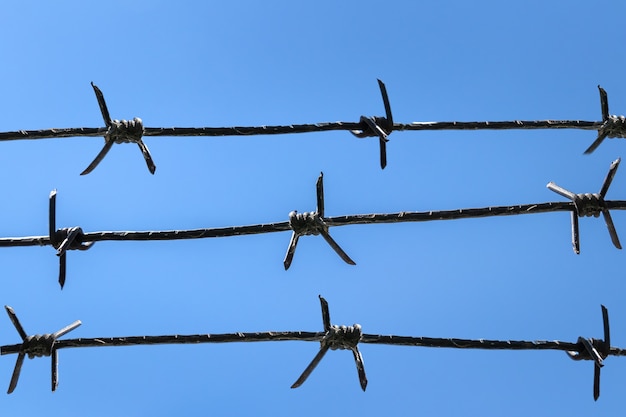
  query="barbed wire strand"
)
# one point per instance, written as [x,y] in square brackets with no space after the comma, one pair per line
[132,131]
[332,338]
[315,223]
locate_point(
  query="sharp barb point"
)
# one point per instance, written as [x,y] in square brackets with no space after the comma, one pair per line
[607,330]
[311,367]
[16,372]
[325,313]
[291,250]
[604,103]
[55,369]
[319,186]
[62,269]
[596,382]
[105,149]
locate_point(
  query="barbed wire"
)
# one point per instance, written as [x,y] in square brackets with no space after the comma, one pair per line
[332,338]
[316,223]
[132,131]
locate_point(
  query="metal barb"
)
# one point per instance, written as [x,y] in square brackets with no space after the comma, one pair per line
[312,223]
[596,350]
[119,132]
[378,126]
[336,337]
[63,239]
[36,346]
[611,127]
[590,205]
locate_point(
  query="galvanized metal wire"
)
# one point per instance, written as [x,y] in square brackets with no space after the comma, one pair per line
[381,127]
[332,338]
[316,223]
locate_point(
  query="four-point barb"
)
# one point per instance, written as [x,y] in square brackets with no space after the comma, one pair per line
[590,205]
[612,126]
[596,350]
[64,239]
[378,126]
[36,346]
[312,224]
[119,131]
[336,337]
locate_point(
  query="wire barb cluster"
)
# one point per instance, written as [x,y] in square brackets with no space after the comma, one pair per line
[612,126]
[591,205]
[312,223]
[332,338]
[119,131]
[68,238]
[315,223]
[35,347]
[381,127]
[336,337]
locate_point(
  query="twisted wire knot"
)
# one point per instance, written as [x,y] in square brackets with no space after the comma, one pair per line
[71,238]
[307,223]
[614,127]
[126,131]
[584,353]
[588,204]
[368,127]
[39,345]
[343,337]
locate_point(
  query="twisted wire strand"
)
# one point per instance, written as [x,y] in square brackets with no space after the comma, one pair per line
[303,128]
[332,338]
[355,219]
[132,131]
[304,336]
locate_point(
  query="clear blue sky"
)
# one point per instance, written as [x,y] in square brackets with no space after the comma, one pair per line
[273,62]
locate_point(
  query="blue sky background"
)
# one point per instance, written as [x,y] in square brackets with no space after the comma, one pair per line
[254,63]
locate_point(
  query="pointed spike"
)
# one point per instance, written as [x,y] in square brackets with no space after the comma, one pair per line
[604,103]
[611,226]
[575,233]
[16,372]
[67,329]
[52,213]
[383,92]
[596,143]
[55,368]
[325,313]
[342,254]
[383,153]
[561,191]
[16,323]
[291,250]
[305,374]
[607,330]
[319,186]
[102,104]
[360,367]
[62,269]
[609,177]
[105,149]
[146,155]
[596,382]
